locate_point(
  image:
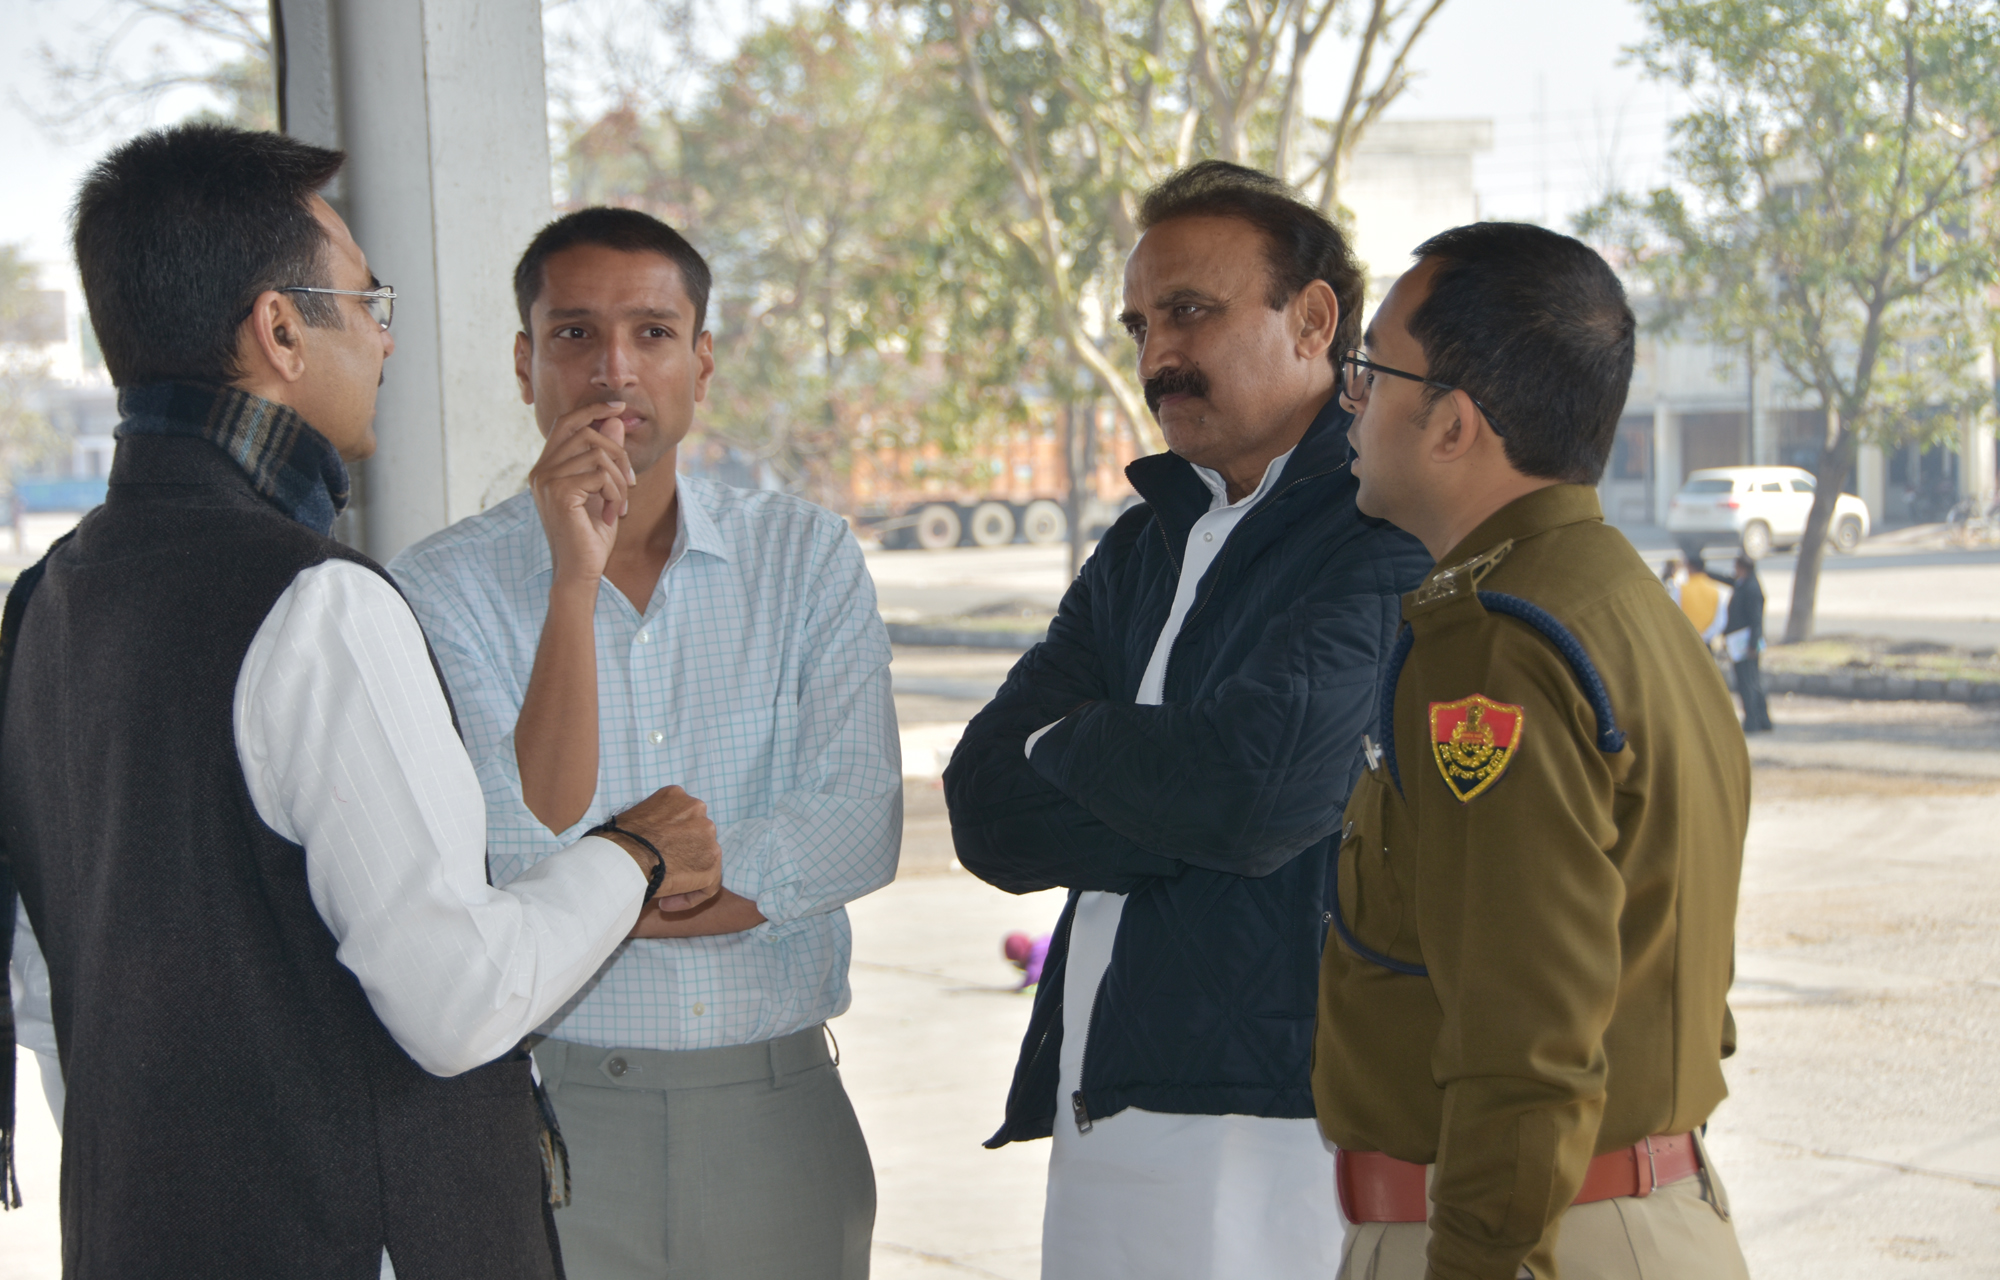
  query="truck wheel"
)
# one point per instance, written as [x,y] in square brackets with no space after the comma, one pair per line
[992,524]
[937,527]
[1756,539]
[1847,535]
[1044,523]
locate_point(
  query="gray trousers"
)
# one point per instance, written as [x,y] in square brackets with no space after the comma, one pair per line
[742,1163]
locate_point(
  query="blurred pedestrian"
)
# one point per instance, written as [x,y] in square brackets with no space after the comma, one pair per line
[1176,754]
[248,842]
[1523,1009]
[1701,600]
[1743,633]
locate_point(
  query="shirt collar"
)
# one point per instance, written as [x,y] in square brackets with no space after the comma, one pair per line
[1526,516]
[694,530]
[1218,488]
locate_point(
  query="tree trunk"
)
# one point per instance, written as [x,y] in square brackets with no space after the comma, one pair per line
[1836,459]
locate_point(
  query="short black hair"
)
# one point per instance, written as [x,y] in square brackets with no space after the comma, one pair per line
[1534,326]
[1302,244]
[179,230]
[626,230]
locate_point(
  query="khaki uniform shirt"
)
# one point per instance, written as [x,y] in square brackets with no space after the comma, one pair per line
[1537,884]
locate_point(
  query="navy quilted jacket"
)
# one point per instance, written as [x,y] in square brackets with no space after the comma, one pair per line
[1214,811]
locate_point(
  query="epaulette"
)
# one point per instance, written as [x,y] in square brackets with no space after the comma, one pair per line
[1461,582]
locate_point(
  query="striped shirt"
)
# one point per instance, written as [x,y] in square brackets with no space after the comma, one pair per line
[758,679]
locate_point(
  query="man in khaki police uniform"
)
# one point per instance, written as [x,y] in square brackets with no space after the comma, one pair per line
[1531,942]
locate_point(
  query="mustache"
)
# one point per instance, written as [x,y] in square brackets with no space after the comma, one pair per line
[1174,382]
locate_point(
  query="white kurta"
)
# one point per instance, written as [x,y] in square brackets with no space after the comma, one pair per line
[1148,1195]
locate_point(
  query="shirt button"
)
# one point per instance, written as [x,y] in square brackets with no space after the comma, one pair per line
[1208,537]
[645,637]
[656,737]
[616,1067]
[700,1009]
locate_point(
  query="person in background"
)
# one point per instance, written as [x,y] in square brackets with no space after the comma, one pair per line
[617,628]
[1701,599]
[1743,633]
[1523,1003]
[1176,754]
[250,848]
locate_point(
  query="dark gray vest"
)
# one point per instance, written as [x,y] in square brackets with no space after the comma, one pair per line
[235,1109]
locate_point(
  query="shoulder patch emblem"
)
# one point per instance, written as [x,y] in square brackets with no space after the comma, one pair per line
[1474,740]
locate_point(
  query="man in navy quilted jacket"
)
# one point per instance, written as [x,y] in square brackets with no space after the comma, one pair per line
[1177,754]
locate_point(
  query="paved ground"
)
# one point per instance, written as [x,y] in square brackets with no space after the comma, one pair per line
[1862,1138]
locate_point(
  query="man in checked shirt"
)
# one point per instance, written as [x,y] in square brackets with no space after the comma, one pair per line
[619,627]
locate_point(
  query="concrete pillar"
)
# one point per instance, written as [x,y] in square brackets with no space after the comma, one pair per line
[1870,475]
[1666,459]
[442,109]
[1975,457]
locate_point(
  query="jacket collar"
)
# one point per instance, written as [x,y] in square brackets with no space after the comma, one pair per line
[1178,497]
[1526,516]
[284,459]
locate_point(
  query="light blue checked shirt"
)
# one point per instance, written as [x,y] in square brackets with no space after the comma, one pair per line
[758,679]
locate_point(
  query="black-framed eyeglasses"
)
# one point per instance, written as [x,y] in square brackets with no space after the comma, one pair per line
[1355,383]
[380,301]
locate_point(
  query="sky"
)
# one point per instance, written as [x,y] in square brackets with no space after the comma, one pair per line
[1571,120]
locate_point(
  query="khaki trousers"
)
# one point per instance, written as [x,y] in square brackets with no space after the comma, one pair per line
[742,1163]
[1680,1232]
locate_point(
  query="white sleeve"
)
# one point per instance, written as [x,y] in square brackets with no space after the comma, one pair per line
[347,746]
[34,1013]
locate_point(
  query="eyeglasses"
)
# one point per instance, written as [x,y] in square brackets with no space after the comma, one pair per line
[1355,384]
[380,301]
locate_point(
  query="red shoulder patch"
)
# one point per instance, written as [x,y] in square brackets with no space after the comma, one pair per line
[1474,739]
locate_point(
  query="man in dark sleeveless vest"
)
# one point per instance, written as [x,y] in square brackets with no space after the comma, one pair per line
[247,841]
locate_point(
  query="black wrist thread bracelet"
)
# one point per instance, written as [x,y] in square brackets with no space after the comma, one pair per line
[659,872]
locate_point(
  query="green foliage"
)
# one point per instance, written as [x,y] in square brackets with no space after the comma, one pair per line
[1833,209]
[27,440]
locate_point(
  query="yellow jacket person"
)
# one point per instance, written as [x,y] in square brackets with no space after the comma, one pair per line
[1522,1000]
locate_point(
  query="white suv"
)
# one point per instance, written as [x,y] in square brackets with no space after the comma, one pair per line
[1760,507]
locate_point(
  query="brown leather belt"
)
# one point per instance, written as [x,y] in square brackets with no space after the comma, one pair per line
[1379,1188]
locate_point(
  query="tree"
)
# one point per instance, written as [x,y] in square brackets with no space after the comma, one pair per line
[1834,208]
[1085,103]
[223,47]
[27,440]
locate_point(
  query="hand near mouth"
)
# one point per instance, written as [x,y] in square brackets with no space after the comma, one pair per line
[580,485]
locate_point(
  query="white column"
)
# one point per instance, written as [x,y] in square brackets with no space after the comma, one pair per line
[1975,457]
[442,109]
[1870,473]
[1666,459]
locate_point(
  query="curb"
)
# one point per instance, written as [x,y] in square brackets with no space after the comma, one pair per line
[947,637]
[1864,687]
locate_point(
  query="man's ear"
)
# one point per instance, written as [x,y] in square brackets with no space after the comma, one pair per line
[270,345]
[704,354]
[1462,426]
[524,352]
[1316,312]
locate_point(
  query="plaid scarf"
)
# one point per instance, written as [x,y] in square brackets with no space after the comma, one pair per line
[286,460]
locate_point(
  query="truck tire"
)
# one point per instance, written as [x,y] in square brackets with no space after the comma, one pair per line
[1847,535]
[992,524]
[1044,523]
[937,527]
